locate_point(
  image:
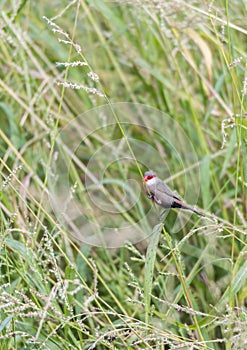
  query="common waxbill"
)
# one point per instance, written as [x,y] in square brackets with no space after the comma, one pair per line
[162,195]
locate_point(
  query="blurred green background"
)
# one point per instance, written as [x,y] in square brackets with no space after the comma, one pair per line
[185,61]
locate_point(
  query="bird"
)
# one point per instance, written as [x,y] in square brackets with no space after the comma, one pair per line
[162,195]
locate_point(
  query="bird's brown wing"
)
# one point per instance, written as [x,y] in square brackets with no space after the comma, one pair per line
[162,187]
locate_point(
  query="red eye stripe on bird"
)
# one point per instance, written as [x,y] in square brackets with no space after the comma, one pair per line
[162,195]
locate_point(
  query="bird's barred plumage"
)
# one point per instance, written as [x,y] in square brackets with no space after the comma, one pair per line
[162,195]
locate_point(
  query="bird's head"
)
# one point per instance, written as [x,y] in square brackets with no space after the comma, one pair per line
[149,175]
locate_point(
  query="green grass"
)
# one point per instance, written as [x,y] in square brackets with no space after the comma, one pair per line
[159,85]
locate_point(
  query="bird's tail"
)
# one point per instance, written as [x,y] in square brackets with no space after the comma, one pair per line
[188,207]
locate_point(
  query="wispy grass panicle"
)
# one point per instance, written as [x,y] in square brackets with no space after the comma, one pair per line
[72,64]
[76,86]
